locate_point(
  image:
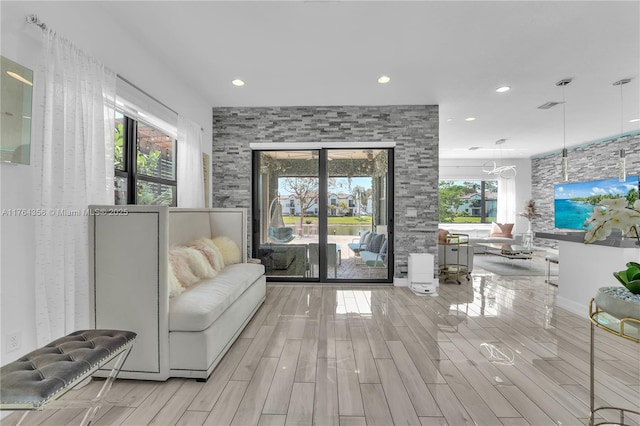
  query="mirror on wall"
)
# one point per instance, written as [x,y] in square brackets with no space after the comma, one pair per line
[15,104]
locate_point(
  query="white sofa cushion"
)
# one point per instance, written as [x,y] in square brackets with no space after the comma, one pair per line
[200,305]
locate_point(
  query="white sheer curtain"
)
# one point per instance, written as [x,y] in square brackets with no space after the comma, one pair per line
[74,167]
[506,201]
[190,179]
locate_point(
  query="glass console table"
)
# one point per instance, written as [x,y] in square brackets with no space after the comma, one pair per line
[626,328]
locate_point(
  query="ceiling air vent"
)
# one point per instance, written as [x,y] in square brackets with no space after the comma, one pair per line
[549,105]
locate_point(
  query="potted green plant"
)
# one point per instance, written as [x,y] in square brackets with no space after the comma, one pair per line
[630,277]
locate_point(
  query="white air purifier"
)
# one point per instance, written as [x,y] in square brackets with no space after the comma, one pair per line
[421,277]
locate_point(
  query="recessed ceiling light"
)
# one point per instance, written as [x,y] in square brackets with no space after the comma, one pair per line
[449,119]
[238,82]
[469,119]
[383,79]
[634,120]
[503,89]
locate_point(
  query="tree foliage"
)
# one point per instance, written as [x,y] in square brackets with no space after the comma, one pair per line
[452,195]
[305,190]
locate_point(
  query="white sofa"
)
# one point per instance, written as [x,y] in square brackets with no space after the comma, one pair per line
[186,335]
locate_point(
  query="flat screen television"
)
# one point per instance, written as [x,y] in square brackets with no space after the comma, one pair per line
[574,202]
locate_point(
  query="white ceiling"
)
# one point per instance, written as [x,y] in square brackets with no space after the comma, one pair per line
[453,54]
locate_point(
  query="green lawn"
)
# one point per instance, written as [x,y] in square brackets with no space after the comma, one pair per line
[333,220]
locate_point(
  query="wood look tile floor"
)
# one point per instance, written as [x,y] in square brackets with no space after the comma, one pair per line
[492,351]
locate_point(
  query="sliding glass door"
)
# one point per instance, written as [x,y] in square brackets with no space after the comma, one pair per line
[324,215]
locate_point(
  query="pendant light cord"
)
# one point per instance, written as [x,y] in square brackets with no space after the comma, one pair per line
[564,121]
[621,117]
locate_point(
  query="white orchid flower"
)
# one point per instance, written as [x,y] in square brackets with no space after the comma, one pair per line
[615,203]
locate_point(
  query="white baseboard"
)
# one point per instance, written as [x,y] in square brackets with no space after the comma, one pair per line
[579,309]
[400,282]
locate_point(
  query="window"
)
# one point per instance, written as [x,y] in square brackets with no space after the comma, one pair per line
[145,164]
[468,201]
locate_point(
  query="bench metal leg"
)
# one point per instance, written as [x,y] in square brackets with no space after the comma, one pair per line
[106,387]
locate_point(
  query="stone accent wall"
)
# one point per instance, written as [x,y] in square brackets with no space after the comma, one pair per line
[413,128]
[589,162]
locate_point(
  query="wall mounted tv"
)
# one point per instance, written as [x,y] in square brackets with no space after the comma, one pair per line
[574,202]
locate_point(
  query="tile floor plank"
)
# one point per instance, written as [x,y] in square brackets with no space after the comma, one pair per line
[148,409]
[213,388]
[402,410]
[272,420]
[365,364]
[225,409]
[376,410]
[177,405]
[451,408]
[192,418]
[326,402]
[250,408]
[280,390]
[470,399]
[301,405]
[349,397]
[421,398]
[249,362]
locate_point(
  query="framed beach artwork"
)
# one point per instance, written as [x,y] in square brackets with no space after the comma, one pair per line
[574,202]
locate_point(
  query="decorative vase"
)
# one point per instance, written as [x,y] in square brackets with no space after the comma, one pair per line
[527,238]
[618,302]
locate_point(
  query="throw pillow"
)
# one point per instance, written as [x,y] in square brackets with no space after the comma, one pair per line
[230,251]
[367,239]
[383,250]
[211,252]
[363,236]
[175,288]
[376,243]
[442,235]
[178,259]
[199,264]
[501,230]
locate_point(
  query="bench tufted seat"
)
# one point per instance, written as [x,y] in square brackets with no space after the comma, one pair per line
[47,373]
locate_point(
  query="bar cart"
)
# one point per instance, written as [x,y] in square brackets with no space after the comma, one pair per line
[454,257]
[626,328]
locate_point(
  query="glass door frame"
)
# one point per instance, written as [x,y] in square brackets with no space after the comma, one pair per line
[323,178]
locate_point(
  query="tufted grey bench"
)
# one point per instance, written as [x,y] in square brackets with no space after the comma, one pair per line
[44,375]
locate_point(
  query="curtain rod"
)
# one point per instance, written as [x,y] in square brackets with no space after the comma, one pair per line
[33,19]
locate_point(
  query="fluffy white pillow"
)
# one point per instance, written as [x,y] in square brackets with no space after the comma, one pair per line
[210,250]
[199,263]
[175,288]
[230,251]
[178,260]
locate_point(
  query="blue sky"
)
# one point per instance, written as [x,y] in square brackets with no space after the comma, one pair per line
[595,187]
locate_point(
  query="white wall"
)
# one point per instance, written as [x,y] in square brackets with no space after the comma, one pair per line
[87,26]
[472,169]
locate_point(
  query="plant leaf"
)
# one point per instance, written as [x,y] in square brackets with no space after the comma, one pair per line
[622,277]
[633,286]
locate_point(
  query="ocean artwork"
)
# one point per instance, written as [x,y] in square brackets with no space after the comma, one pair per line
[574,202]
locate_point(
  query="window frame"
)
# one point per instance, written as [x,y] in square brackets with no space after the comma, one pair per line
[130,161]
[484,218]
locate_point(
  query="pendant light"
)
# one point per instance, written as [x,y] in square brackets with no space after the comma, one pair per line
[622,160]
[565,157]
